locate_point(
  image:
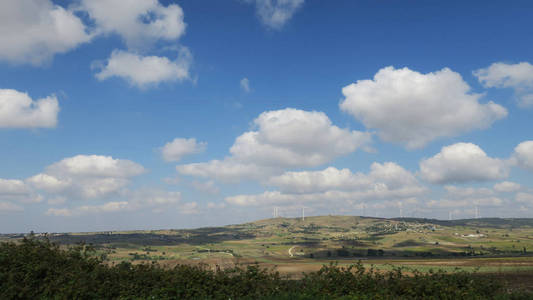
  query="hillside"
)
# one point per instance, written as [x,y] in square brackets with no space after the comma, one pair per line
[318,237]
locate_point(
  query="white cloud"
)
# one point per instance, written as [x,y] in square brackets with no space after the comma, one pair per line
[267,198]
[344,198]
[319,181]
[97,166]
[506,187]
[63,212]
[468,192]
[516,76]
[275,13]
[156,200]
[207,187]
[411,108]
[12,187]
[152,197]
[88,176]
[9,207]
[457,197]
[172,180]
[382,176]
[523,155]
[179,147]
[144,71]
[17,190]
[296,138]
[190,208]
[138,22]
[462,162]
[447,203]
[48,183]
[526,198]
[455,203]
[112,206]
[141,23]
[227,170]
[99,187]
[108,207]
[213,205]
[57,200]
[506,75]
[33,31]
[287,138]
[384,181]
[245,85]
[18,110]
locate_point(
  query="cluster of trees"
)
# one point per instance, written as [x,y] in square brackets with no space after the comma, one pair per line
[37,269]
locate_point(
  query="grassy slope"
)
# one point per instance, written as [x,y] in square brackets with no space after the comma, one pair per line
[329,237]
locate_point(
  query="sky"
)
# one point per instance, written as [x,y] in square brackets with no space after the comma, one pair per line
[149,114]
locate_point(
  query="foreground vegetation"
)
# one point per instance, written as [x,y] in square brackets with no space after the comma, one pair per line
[40,269]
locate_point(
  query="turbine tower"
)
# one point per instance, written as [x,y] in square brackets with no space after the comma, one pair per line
[303,213]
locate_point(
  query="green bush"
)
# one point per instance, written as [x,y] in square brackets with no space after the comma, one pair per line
[36,269]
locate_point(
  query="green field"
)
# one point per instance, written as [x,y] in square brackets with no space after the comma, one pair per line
[293,245]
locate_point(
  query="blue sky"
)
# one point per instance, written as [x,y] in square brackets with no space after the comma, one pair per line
[172,114]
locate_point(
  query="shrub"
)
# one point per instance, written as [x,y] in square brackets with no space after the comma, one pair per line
[35,269]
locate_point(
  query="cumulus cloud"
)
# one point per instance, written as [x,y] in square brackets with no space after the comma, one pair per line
[49,183]
[507,187]
[287,138]
[18,110]
[88,176]
[412,108]
[456,203]
[180,147]
[141,23]
[296,138]
[382,176]
[17,190]
[465,192]
[319,181]
[245,85]
[461,197]
[97,166]
[516,76]
[151,199]
[33,31]
[523,155]
[138,22]
[12,187]
[143,71]
[276,13]
[384,181]
[460,163]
